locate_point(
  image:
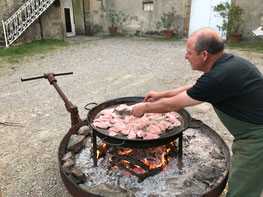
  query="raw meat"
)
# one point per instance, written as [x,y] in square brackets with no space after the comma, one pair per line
[150,126]
[154,129]
[140,133]
[121,107]
[132,135]
[102,125]
[149,136]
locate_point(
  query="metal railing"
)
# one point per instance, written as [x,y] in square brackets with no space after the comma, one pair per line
[23,18]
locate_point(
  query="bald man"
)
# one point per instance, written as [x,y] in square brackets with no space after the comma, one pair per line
[234,87]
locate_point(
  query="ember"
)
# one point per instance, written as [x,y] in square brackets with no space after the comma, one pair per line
[139,162]
[137,171]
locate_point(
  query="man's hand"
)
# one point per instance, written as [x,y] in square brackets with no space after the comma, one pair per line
[152,96]
[138,110]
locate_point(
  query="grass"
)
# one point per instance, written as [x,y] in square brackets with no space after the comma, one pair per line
[246,46]
[15,54]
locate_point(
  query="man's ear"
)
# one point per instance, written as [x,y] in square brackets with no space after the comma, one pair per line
[205,55]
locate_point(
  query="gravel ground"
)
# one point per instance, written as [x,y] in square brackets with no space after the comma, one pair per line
[103,69]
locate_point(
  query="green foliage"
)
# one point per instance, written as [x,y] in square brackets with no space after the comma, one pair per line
[137,33]
[116,18]
[232,17]
[14,54]
[167,20]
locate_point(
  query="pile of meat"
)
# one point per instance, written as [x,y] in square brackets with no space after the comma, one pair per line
[150,126]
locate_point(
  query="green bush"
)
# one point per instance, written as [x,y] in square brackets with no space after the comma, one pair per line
[116,18]
[167,20]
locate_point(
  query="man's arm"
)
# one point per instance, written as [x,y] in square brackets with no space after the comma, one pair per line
[153,96]
[174,103]
[176,91]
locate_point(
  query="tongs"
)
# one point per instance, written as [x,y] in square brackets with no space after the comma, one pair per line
[127,111]
[11,124]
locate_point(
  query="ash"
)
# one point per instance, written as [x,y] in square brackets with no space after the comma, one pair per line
[200,173]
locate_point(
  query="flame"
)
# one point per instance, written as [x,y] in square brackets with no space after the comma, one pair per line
[126,152]
[98,154]
[163,158]
[125,161]
[104,147]
[158,157]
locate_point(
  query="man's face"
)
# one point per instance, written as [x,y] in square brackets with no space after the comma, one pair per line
[195,60]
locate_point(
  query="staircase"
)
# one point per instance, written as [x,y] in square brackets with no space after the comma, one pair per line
[23,18]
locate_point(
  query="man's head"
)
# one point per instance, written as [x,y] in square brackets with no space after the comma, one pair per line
[203,47]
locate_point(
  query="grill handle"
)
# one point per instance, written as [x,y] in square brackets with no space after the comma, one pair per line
[92,103]
[195,124]
[111,144]
[45,76]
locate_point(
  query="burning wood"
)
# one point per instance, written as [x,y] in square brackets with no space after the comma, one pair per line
[142,162]
[137,171]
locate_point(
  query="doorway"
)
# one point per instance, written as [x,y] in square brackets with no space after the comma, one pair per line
[202,15]
[69,18]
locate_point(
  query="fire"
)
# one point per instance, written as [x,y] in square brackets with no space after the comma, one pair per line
[102,149]
[154,163]
[126,152]
[139,162]
[98,154]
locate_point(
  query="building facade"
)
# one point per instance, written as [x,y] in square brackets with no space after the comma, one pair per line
[65,18]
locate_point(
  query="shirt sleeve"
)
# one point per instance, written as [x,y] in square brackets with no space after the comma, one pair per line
[209,89]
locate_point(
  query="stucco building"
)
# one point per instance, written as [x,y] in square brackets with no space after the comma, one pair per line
[64,18]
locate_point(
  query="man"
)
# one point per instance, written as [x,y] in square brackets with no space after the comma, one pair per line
[234,87]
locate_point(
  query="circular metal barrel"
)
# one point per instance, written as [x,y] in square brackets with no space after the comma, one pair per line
[76,191]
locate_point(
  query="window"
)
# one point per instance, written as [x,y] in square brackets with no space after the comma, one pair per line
[147,5]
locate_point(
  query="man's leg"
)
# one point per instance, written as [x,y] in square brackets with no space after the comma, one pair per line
[246,173]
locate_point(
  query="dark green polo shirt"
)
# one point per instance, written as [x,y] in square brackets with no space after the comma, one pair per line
[234,86]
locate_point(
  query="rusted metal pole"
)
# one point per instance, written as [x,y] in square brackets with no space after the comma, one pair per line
[72,109]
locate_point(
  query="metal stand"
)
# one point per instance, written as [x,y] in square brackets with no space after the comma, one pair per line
[95,149]
[180,151]
[179,158]
[72,109]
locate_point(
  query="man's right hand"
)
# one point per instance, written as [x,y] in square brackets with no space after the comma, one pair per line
[152,96]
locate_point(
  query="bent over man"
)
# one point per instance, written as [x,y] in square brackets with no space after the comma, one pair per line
[234,87]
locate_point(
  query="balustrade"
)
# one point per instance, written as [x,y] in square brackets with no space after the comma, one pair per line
[23,18]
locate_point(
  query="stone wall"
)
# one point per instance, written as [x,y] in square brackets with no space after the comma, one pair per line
[253,17]
[93,19]
[78,16]
[142,20]
[50,25]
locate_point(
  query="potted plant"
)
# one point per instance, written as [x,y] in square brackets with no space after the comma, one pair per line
[116,18]
[232,20]
[167,23]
